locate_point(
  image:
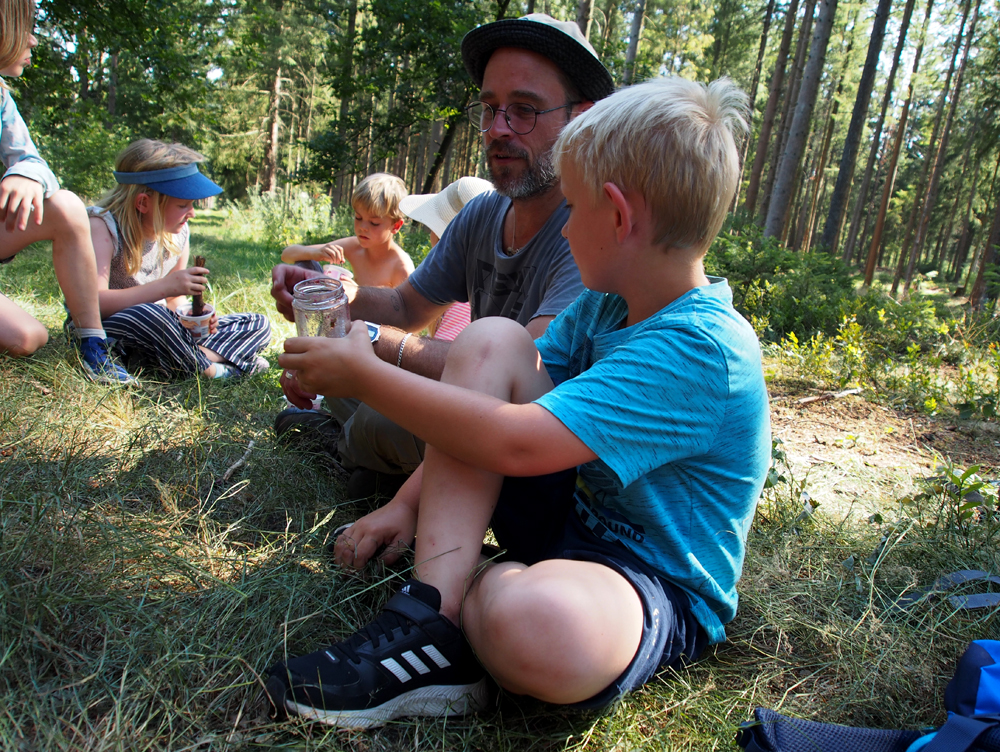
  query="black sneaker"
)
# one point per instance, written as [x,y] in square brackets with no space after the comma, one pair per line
[310,429]
[410,661]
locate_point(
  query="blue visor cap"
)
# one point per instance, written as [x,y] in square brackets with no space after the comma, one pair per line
[184,182]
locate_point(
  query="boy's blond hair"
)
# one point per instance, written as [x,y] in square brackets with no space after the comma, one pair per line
[672,140]
[379,194]
[144,155]
[17,20]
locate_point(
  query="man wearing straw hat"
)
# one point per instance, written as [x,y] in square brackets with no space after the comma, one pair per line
[504,253]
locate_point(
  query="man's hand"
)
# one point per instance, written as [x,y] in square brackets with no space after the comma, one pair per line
[393,526]
[294,392]
[19,196]
[284,278]
[333,367]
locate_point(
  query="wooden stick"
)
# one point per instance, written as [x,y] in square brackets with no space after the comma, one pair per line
[827,396]
[232,468]
[197,302]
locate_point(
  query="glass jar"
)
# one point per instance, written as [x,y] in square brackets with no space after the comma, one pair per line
[320,306]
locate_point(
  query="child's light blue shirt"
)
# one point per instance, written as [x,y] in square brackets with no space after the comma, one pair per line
[676,409]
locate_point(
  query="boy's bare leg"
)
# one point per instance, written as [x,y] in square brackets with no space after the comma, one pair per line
[560,630]
[65,224]
[494,356]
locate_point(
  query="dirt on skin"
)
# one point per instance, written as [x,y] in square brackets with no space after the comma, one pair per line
[857,457]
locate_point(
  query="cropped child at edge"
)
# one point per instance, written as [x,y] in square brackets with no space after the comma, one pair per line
[32,208]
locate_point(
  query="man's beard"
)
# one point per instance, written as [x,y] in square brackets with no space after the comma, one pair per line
[537,178]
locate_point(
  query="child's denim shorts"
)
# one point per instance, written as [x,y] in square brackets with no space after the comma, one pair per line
[535,520]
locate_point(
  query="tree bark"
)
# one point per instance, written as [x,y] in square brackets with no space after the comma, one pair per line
[788,107]
[770,108]
[938,163]
[449,135]
[932,149]
[852,235]
[774,225]
[848,159]
[633,42]
[753,88]
[890,175]
[584,12]
[270,165]
[977,298]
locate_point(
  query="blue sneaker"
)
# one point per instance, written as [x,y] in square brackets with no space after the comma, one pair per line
[99,365]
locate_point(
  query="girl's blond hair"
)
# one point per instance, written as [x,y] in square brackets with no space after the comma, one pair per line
[144,155]
[17,20]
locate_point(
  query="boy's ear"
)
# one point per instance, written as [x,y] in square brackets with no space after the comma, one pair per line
[143,203]
[625,211]
[397,226]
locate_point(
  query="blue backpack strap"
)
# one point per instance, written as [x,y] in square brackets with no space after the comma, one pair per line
[773,732]
[959,733]
[953,579]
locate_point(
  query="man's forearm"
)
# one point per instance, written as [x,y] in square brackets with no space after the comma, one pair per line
[383,305]
[420,355]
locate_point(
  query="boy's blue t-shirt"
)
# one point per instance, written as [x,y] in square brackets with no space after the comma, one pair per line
[676,410]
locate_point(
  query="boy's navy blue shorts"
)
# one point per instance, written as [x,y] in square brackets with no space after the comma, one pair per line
[534,520]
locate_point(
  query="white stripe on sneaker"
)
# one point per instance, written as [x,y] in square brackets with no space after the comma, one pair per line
[435,655]
[418,664]
[398,671]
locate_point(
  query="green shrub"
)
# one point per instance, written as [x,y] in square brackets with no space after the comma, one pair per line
[81,150]
[293,216]
[778,291]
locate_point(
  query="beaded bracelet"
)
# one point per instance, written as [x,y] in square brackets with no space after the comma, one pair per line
[402,344]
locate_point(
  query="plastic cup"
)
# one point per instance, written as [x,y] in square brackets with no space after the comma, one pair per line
[197,325]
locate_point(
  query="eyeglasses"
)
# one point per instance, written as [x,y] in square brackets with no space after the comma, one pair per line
[521,118]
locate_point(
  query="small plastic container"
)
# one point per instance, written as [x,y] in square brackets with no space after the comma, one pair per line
[320,306]
[197,325]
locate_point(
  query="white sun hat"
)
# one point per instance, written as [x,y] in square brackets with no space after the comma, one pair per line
[436,210]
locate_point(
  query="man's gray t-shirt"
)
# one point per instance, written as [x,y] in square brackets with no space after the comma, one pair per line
[469,264]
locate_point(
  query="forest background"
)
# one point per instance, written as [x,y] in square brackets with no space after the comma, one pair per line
[875,128]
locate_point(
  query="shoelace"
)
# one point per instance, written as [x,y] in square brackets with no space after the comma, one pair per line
[382,627]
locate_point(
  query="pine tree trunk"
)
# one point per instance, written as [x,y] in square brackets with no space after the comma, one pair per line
[270,165]
[788,106]
[876,137]
[799,131]
[753,89]
[938,162]
[876,242]
[633,42]
[977,298]
[770,108]
[925,172]
[845,175]
[584,11]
